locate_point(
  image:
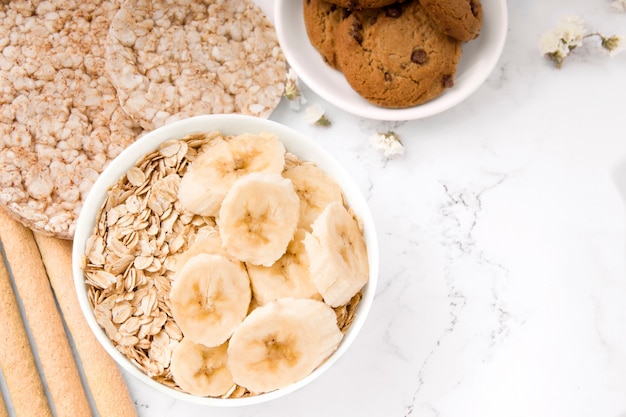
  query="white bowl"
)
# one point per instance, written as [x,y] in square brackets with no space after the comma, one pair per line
[478,59]
[294,142]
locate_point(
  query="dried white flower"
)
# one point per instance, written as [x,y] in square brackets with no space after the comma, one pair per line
[557,43]
[388,143]
[618,6]
[315,115]
[614,44]
[293,92]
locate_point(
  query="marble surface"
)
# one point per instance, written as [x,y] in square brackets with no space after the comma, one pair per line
[502,229]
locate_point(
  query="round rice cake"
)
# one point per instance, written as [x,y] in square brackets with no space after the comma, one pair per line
[60,119]
[394,56]
[174,59]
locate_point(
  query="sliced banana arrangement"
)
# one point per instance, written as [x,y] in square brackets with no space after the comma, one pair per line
[264,279]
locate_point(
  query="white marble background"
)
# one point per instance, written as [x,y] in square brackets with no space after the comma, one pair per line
[502,232]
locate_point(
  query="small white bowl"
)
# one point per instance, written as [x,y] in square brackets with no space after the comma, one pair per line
[294,142]
[478,59]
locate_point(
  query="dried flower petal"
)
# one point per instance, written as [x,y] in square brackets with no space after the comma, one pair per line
[618,6]
[315,116]
[293,92]
[557,43]
[388,143]
[614,44]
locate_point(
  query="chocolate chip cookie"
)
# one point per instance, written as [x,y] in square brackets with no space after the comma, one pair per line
[320,20]
[394,56]
[461,19]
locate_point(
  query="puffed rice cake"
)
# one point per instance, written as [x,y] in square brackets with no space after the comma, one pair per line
[60,119]
[170,59]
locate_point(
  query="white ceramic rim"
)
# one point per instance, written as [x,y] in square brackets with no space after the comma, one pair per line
[294,142]
[478,60]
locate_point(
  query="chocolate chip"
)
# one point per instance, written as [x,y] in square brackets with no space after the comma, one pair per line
[345,13]
[355,31]
[393,11]
[419,56]
[387,77]
[373,18]
[474,7]
[447,81]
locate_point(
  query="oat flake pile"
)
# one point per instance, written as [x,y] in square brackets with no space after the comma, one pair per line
[61,118]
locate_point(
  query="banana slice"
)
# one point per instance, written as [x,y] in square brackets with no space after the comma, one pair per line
[209,298]
[210,176]
[287,277]
[316,190]
[337,255]
[282,342]
[201,188]
[207,241]
[201,370]
[258,218]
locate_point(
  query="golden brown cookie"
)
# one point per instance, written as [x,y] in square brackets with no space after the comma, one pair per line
[320,20]
[395,57]
[461,19]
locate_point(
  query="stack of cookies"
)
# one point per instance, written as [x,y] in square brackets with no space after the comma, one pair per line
[395,54]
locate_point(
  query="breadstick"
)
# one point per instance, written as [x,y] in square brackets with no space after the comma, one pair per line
[16,357]
[108,388]
[59,368]
[3,408]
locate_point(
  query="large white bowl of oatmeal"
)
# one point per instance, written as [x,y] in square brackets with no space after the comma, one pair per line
[225,260]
